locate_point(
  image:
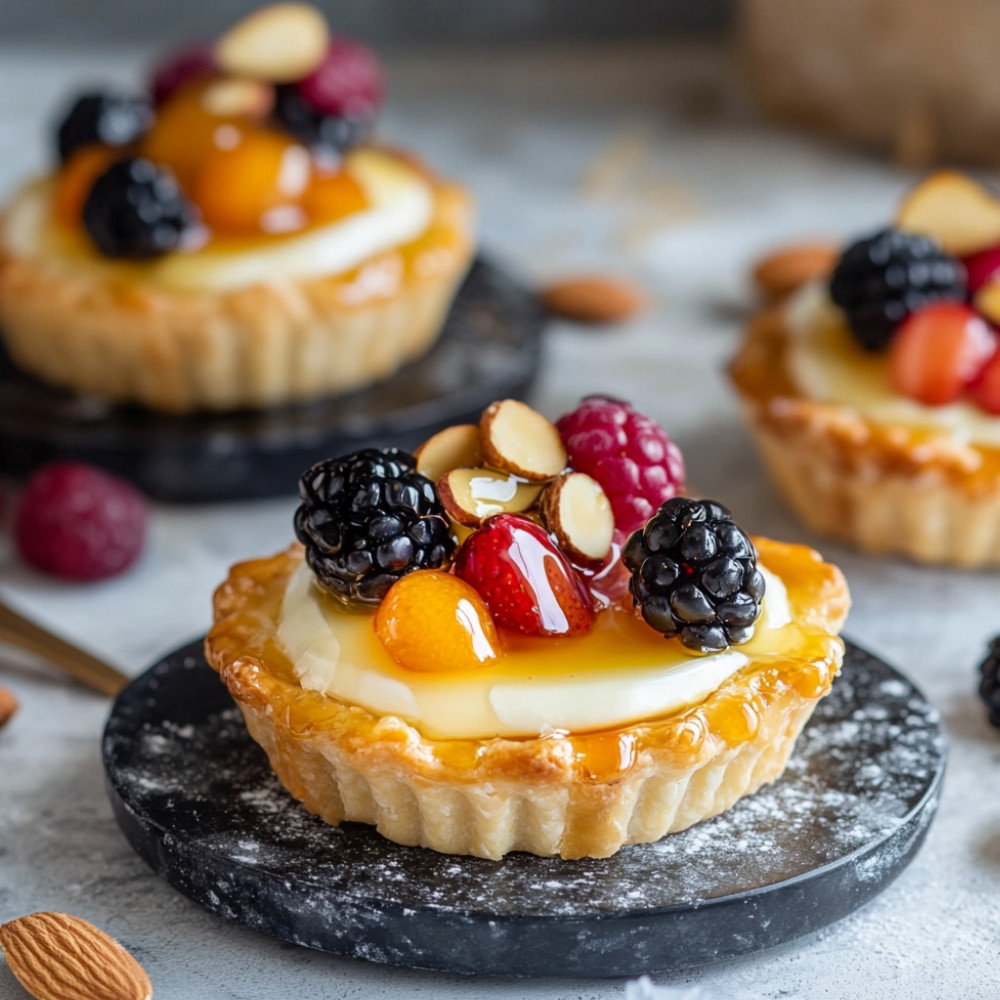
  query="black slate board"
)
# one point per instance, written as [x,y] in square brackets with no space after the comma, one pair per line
[489,349]
[197,800]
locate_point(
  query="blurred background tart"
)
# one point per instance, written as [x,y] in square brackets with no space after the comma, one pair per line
[234,238]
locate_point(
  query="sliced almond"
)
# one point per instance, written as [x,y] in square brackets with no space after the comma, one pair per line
[455,447]
[781,272]
[280,43]
[235,98]
[593,299]
[472,495]
[958,212]
[577,511]
[58,957]
[8,705]
[518,439]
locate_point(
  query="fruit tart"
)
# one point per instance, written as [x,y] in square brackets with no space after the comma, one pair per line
[234,237]
[874,394]
[482,648]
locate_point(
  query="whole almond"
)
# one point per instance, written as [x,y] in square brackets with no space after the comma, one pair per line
[59,957]
[8,705]
[593,299]
[281,43]
[782,271]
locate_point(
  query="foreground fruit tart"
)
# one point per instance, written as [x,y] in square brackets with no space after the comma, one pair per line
[234,237]
[874,396]
[483,648]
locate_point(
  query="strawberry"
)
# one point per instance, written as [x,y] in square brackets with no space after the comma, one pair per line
[524,579]
[938,351]
[985,390]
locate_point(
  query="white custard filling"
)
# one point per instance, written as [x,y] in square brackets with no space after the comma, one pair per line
[400,206]
[826,364]
[338,654]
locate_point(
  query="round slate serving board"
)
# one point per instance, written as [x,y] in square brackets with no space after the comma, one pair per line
[489,349]
[197,800]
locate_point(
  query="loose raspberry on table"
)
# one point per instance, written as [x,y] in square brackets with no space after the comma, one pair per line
[629,454]
[75,521]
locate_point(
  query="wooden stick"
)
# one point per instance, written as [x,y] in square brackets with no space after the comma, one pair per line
[25,634]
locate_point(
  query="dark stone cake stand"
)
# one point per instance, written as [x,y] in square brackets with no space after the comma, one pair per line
[489,349]
[197,800]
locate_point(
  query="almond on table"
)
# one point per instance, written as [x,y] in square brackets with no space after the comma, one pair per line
[594,299]
[782,271]
[8,705]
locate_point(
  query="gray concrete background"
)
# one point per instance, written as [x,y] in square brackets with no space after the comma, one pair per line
[385,22]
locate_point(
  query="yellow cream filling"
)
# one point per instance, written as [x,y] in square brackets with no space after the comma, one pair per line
[622,672]
[826,364]
[400,206]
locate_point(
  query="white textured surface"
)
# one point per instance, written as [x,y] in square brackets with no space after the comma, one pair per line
[634,160]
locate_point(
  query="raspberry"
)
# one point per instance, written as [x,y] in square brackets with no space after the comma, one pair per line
[695,575]
[78,522]
[629,454]
[190,62]
[882,279]
[347,83]
[368,519]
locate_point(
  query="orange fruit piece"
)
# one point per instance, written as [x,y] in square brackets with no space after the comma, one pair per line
[76,178]
[331,196]
[254,186]
[433,622]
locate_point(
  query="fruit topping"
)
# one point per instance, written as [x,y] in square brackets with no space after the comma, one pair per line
[366,520]
[279,43]
[695,575]
[135,209]
[434,621]
[608,580]
[472,495]
[883,278]
[191,62]
[520,440]
[985,387]
[782,271]
[455,447]
[329,136]
[982,269]
[106,119]
[78,522]
[347,83]
[526,582]
[989,680]
[939,351]
[629,454]
[577,511]
[961,215]
[331,195]
[76,178]
[255,185]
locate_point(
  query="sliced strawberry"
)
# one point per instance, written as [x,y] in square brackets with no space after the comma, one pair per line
[524,579]
[982,268]
[938,351]
[985,390]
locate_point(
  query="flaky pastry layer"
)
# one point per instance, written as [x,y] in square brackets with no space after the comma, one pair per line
[574,795]
[915,492]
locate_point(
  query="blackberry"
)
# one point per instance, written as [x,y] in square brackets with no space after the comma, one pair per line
[695,575]
[989,681]
[883,278]
[107,118]
[135,209]
[367,519]
[325,134]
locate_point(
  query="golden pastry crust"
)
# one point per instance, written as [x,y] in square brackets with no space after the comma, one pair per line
[263,345]
[916,492]
[577,795]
